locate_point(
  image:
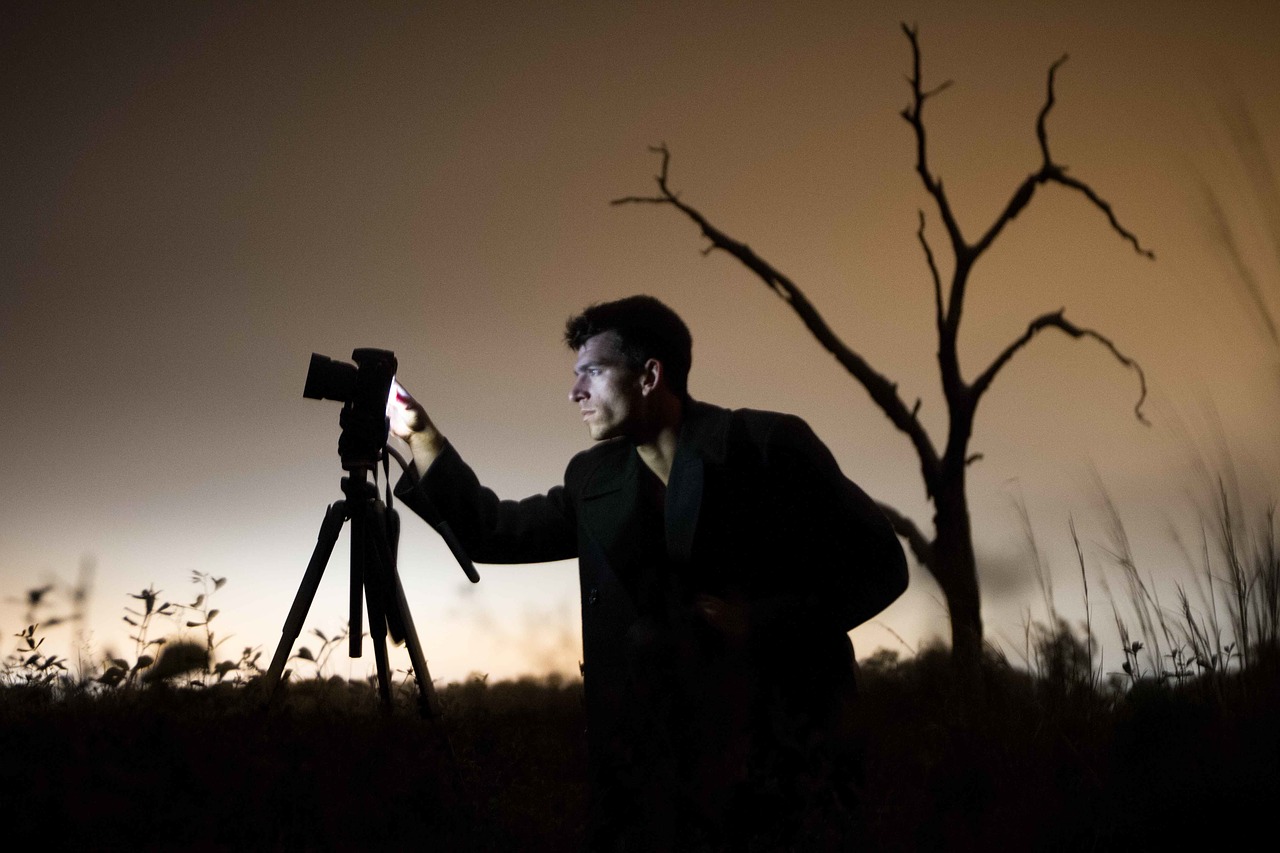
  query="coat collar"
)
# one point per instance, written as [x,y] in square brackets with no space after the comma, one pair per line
[704,432]
[704,435]
[612,492]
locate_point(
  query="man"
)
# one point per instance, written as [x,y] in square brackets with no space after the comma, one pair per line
[722,557]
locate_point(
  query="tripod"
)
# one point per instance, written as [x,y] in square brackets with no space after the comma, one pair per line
[375,534]
[365,391]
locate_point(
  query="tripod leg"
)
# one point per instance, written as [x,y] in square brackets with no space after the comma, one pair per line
[329,530]
[428,702]
[359,548]
[401,621]
[384,669]
[374,570]
[386,542]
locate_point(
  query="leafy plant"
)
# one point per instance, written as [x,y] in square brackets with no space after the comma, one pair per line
[201,614]
[319,659]
[28,665]
[120,670]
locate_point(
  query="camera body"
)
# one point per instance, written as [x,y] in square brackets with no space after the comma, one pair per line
[364,389]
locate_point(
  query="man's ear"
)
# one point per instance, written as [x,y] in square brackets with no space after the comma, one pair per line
[651,376]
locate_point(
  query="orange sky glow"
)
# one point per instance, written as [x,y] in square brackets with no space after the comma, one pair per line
[201,195]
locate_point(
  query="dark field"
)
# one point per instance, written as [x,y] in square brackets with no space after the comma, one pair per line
[1015,762]
[208,769]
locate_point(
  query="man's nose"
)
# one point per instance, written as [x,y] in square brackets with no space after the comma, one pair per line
[576,393]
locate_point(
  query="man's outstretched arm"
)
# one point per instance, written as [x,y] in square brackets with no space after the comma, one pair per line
[533,530]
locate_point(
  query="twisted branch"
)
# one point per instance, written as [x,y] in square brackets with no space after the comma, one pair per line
[1051,172]
[1055,319]
[883,392]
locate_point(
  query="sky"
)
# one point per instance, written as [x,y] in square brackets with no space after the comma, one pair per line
[199,196]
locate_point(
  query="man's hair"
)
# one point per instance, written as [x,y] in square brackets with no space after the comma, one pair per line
[647,329]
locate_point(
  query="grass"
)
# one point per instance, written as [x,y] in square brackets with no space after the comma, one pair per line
[1179,742]
[165,767]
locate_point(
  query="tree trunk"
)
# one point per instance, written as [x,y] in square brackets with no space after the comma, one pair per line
[955,569]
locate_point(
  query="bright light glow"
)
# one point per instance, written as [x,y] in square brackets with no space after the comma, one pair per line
[396,389]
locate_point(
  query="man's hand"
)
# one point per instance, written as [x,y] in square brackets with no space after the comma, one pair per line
[410,423]
[407,415]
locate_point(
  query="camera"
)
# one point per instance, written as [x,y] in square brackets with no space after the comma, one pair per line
[364,389]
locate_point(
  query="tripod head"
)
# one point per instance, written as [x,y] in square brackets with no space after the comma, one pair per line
[364,389]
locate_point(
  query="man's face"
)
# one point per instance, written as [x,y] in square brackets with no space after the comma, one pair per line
[606,390]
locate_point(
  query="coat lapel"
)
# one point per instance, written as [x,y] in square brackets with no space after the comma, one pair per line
[611,512]
[684,502]
[703,438]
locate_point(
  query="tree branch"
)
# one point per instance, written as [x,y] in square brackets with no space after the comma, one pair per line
[1051,172]
[907,529]
[1055,320]
[1062,178]
[1042,134]
[883,392]
[939,309]
[912,114]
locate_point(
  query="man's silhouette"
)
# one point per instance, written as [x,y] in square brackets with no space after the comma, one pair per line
[723,558]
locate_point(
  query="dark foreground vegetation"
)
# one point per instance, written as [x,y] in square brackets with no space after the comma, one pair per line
[1051,761]
[1056,761]
[165,768]
[1176,745]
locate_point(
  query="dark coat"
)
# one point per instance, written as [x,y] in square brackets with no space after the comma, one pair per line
[756,511]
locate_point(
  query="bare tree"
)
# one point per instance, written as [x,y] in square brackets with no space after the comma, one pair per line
[948,554]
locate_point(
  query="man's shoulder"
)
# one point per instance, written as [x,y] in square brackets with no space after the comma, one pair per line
[710,411]
[761,426]
[720,434]
[762,418]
